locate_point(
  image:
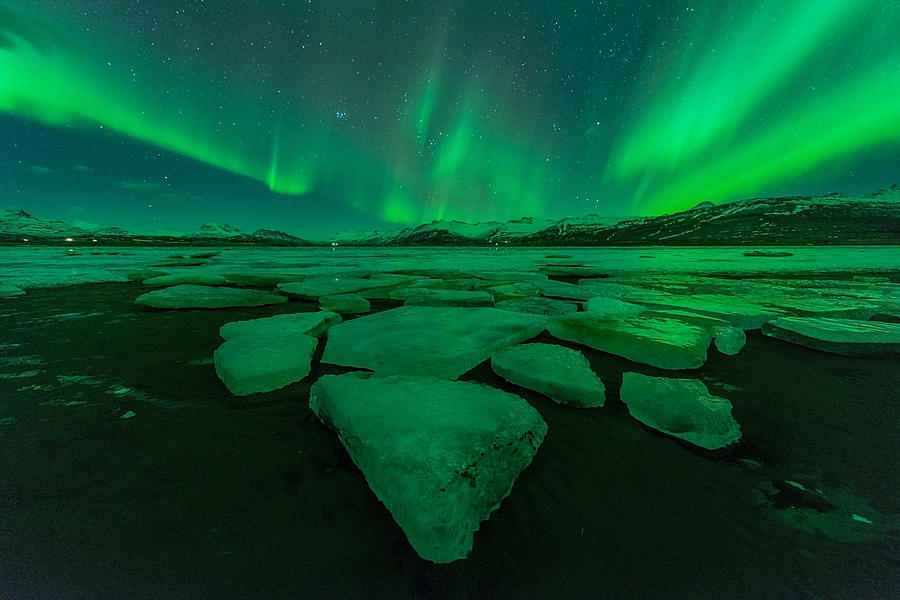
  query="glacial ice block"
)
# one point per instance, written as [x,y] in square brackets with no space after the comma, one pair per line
[308,323]
[442,342]
[837,336]
[682,408]
[202,296]
[663,343]
[248,364]
[8,291]
[441,455]
[562,374]
[537,306]
[321,285]
[345,303]
[729,339]
[612,308]
[428,297]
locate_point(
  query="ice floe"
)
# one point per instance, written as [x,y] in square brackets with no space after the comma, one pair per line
[562,374]
[442,342]
[682,408]
[663,343]
[441,455]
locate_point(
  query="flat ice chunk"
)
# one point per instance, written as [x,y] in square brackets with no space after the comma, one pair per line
[7,291]
[560,289]
[742,313]
[837,336]
[307,323]
[263,277]
[203,296]
[441,455]
[562,374]
[442,342]
[248,364]
[537,306]
[515,290]
[728,338]
[612,308]
[345,303]
[663,343]
[196,277]
[450,298]
[318,286]
[510,276]
[683,408]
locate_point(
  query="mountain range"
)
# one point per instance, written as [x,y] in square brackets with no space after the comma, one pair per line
[784,221]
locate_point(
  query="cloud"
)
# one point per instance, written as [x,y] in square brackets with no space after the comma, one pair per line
[82,169]
[143,185]
[41,170]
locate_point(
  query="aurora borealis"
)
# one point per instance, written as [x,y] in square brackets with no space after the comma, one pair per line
[316,116]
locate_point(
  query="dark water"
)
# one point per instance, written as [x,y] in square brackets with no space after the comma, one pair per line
[199,496]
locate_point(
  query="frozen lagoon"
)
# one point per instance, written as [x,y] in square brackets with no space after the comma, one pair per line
[259,497]
[41,265]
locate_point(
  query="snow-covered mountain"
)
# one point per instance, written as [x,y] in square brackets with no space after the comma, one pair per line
[788,221]
[797,220]
[17,226]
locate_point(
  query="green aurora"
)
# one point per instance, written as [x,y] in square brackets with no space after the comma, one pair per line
[473,111]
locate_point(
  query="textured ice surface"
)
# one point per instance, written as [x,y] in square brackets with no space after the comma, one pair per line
[537,306]
[559,289]
[510,291]
[202,296]
[740,312]
[683,408]
[612,308]
[442,342]
[308,323]
[450,298]
[7,291]
[837,336]
[192,276]
[320,285]
[728,338]
[345,303]
[441,455]
[562,374]
[663,343]
[252,363]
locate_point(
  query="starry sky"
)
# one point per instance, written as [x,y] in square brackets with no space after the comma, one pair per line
[315,116]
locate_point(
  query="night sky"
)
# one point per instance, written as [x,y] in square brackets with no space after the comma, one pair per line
[316,116]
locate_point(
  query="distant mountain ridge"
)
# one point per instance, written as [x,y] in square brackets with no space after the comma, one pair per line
[17,226]
[786,221]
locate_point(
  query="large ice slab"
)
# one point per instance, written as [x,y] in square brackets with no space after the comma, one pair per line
[837,336]
[442,342]
[441,455]
[427,297]
[307,323]
[320,285]
[560,289]
[612,308]
[738,311]
[202,296]
[728,338]
[345,303]
[8,291]
[683,408]
[537,306]
[253,363]
[663,343]
[562,374]
[188,276]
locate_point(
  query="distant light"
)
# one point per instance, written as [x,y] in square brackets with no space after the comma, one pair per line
[93,240]
[24,239]
[334,243]
[69,240]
